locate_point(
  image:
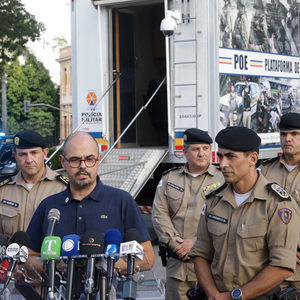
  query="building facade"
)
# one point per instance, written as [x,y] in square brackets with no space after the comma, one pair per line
[65,97]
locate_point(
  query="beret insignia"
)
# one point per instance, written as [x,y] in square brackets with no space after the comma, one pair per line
[17,141]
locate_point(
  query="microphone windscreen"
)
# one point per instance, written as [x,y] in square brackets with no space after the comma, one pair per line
[70,245]
[132,234]
[113,236]
[54,213]
[21,238]
[51,247]
[92,242]
[3,241]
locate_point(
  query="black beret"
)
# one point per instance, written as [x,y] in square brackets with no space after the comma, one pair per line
[290,121]
[28,139]
[238,139]
[196,136]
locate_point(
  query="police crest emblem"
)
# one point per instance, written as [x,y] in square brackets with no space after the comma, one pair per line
[285,215]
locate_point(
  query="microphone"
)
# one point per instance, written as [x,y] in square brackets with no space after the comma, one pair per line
[3,262]
[3,244]
[53,219]
[112,238]
[92,243]
[70,247]
[50,249]
[19,243]
[130,251]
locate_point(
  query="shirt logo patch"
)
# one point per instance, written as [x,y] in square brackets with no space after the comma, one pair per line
[285,215]
[103,217]
[175,186]
[279,190]
[217,218]
[10,203]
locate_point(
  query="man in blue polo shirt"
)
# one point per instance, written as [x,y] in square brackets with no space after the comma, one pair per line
[87,204]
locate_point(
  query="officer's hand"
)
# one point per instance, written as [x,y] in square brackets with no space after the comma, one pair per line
[184,248]
[221,296]
[298,257]
[62,267]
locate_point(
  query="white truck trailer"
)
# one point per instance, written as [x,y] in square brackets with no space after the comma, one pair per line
[204,48]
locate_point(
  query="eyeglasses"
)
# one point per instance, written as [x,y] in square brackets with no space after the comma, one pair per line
[76,162]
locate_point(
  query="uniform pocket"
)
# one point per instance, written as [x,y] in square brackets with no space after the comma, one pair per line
[218,231]
[252,238]
[175,197]
[10,219]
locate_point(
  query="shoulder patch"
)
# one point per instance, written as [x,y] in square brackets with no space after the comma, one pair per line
[279,191]
[268,161]
[62,178]
[216,190]
[172,169]
[5,181]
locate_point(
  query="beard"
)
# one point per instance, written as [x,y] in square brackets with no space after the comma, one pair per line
[83,182]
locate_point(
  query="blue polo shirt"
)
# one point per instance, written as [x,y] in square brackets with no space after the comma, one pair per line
[105,208]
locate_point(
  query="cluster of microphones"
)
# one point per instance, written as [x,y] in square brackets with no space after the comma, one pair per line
[90,260]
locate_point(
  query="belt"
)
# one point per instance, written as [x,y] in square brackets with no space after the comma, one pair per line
[246,109]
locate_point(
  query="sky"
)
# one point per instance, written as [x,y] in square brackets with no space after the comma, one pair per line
[56,15]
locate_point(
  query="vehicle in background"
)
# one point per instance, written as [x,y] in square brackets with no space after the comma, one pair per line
[8,165]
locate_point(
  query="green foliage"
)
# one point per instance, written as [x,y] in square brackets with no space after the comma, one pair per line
[17,27]
[31,81]
[60,42]
[55,162]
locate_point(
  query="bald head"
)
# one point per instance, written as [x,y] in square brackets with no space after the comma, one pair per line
[80,138]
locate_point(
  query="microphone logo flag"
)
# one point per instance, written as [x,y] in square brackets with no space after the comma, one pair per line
[51,247]
[131,247]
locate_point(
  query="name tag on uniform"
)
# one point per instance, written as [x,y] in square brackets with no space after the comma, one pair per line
[175,186]
[10,203]
[217,218]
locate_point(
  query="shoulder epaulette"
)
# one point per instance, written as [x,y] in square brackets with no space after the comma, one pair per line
[5,181]
[62,178]
[279,191]
[216,190]
[270,160]
[172,169]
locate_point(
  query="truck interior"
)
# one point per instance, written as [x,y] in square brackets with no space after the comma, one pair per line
[139,55]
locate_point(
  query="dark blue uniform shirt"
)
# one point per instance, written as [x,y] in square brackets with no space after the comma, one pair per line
[105,208]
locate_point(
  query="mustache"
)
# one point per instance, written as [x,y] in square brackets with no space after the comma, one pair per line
[82,171]
[226,170]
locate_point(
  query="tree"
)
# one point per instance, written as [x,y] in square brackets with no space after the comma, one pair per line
[17,27]
[31,81]
[60,42]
